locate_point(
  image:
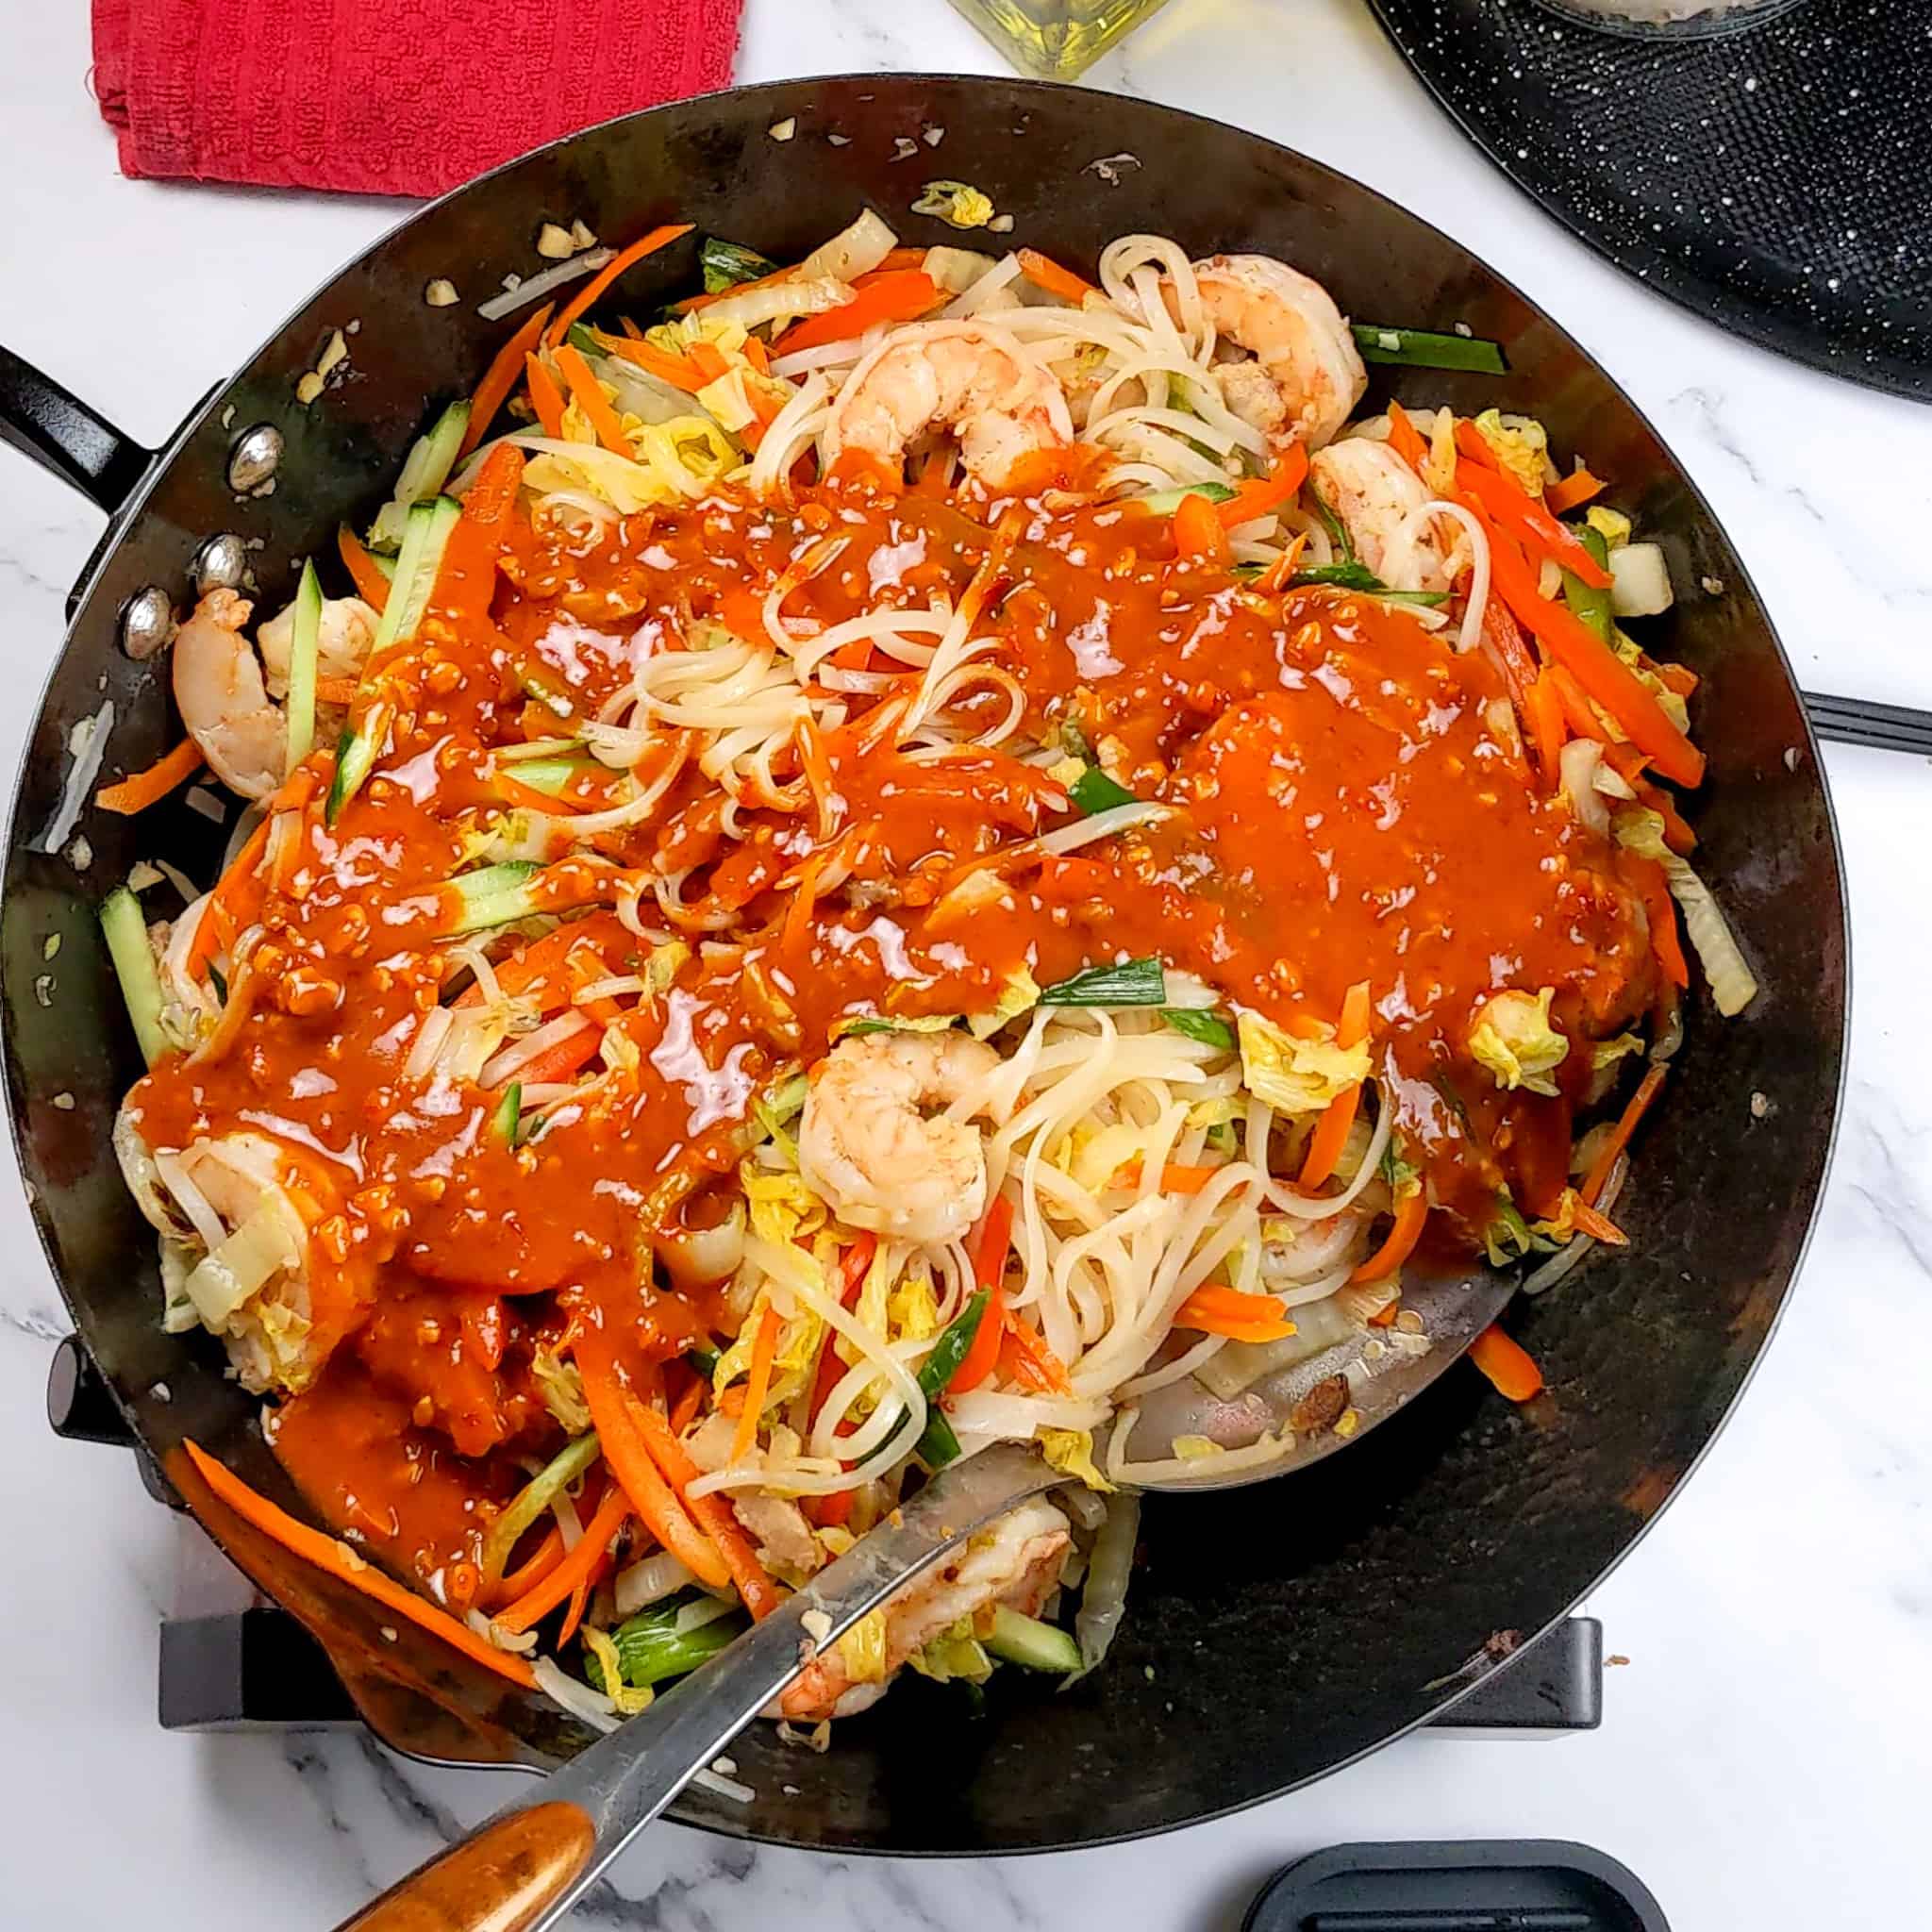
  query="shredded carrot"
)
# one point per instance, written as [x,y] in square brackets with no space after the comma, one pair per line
[545,398]
[897,298]
[1546,709]
[988,1272]
[622,1422]
[1578,714]
[1598,1226]
[1330,1136]
[576,1568]
[1045,272]
[342,1562]
[563,1059]
[1180,1178]
[1662,910]
[1507,1364]
[1573,492]
[714,1515]
[592,400]
[1677,833]
[1198,531]
[1405,439]
[1261,497]
[498,380]
[140,789]
[1399,1244]
[371,585]
[595,288]
[690,1399]
[680,372]
[543,1560]
[493,493]
[757,355]
[1242,1317]
[708,361]
[765,1350]
[579,1600]
[1281,572]
[1525,518]
[1026,1358]
[1619,1140]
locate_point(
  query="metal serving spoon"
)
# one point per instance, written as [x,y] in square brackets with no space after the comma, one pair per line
[525,1866]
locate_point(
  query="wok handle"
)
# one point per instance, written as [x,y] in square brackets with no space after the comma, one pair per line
[43,420]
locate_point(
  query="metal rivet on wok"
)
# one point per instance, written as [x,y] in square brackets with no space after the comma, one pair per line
[252,462]
[221,563]
[147,620]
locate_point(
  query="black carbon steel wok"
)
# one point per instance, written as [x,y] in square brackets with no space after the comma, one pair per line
[1274,1634]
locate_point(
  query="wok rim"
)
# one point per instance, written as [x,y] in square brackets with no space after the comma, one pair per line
[123,520]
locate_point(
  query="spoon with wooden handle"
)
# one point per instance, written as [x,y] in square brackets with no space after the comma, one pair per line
[525,1866]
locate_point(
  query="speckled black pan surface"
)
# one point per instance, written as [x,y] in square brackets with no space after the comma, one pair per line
[1776,180]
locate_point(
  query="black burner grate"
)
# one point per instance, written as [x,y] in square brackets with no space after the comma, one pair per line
[1776,180]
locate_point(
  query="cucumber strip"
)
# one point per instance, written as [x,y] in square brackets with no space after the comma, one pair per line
[493,895]
[1018,1638]
[1131,983]
[304,643]
[125,932]
[356,755]
[509,1114]
[553,777]
[1421,348]
[425,538]
[1094,791]
[426,470]
[532,1500]
[1163,502]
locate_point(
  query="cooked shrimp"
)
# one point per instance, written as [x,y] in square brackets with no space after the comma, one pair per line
[250,1202]
[348,629]
[221,698]
[1015,1560]
[865,1146]
[1301,374]
[1378,498]
[969,378]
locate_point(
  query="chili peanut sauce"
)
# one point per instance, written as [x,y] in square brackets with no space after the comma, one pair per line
[1341,811]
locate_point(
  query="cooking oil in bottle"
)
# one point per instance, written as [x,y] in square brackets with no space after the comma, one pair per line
[1056,40]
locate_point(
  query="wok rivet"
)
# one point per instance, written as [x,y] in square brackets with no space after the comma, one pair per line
[252,462]
[220,564]
[146,620]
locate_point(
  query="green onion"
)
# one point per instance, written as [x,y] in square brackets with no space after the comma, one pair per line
[1094,791]
[1593,607]
[1358,577]
[1130,983]
[583,341]
[493,895]
[1419,348]
[424,470]
[937,1445]
[530,1502]
[705,1360]
[1163,502]
[649,1648]
[1197,1022]
[1338,530]
[305,645]
[125,932]
[509,1114]
[727,264]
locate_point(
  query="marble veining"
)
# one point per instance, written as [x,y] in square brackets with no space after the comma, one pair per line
[1777,1622]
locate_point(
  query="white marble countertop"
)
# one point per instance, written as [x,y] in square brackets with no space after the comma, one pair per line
[1764,1756]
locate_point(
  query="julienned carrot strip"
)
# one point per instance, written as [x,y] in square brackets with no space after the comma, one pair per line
[621,1419]
[989,1273]
[371,585]
[1330,1136]
[764,1349]
[490,499]
[592,400]
[1026,1358]
[1281,572]
[1405,439]
[563,1059]
[1583,721]
[342,1562]
[545,398]
[1180,1178]
[708,361]
[684,1411]
[1527,518]
[1399,1244]
[575,1569]
[499,380]
[1226,1311]
[1507,1364]
[574,1611]
[680,372]
[1662,910]
[896,297]
[1471,443]
[1600,1227]
[1597,667]
[1261,497]
[1045,272]
[1546,727]
[1619,1140]
[1573,492]
[1677,833]
[526,1575]
[595,288]
[140,789]
[1199,532]
[714,1515]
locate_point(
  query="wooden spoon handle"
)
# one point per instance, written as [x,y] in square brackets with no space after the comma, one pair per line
[500,1880]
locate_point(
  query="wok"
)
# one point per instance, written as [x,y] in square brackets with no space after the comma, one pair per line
[1273,1636]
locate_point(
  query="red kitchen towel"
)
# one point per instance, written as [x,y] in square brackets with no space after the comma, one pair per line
[400,97]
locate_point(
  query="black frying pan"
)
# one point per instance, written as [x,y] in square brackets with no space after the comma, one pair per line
[1274,1635]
